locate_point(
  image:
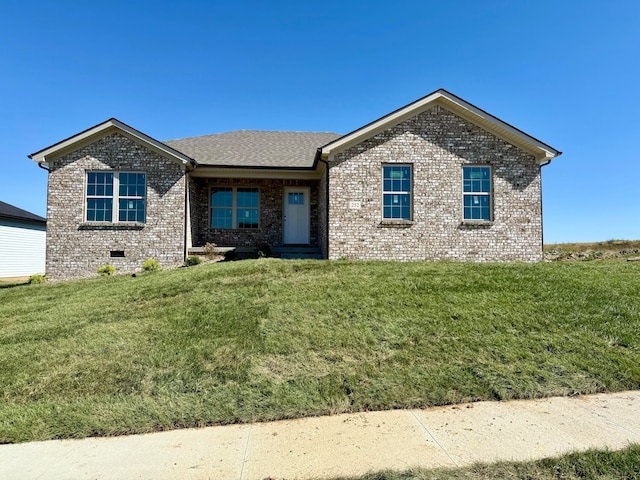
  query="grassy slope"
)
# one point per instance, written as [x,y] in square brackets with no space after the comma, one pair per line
[609,245]
[267,339]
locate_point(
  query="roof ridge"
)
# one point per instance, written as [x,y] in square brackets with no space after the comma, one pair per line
[247,130]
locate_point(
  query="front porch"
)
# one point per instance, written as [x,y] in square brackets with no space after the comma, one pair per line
[246,215]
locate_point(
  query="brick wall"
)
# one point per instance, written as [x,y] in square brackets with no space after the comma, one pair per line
[271,214]
[76,248]
[322,214]
[437,144]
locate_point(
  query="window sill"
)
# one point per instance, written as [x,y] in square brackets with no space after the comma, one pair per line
[111,226]
[395,224]
[221,230]
[476,223]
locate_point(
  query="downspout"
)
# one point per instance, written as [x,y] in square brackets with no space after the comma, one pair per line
[541,216]
[187,211]
[326,200]
[46,249]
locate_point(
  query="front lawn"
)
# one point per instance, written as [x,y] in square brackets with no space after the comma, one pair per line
[270,339]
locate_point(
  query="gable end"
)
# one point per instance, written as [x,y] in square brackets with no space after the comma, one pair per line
[50,154]
[454,104]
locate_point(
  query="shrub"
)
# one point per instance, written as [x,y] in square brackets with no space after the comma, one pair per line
[106,270]
[151,265]
[210,249]
[37,278]
[192,261]
[263,250]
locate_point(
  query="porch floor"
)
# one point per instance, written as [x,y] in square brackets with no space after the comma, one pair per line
[285,252]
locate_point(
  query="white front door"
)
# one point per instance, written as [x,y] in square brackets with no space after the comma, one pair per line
[296,215]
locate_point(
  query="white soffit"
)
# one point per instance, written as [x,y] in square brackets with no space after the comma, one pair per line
[101,130]
[256,173]
[456,105]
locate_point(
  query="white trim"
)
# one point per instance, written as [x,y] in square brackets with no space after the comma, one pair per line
[234,207]
[257,173]
[400,192]
[307,205]
[456,105]
[115,197]
[488,194]
[99,131]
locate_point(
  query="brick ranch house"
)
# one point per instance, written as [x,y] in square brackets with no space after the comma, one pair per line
[436,179]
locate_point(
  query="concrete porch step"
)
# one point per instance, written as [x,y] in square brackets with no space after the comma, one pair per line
[302,256]
[286,252]
[300,252]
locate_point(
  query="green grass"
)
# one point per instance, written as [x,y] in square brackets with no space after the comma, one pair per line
[269,339]
[609,245]
[592,464]
[12,283]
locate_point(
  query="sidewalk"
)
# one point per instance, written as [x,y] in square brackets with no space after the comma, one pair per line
[349,444]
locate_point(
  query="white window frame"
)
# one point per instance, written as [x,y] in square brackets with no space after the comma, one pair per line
[115,197]
[488,194]
[401,192]
[234,207]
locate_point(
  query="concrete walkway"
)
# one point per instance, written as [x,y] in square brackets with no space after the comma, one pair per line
[351,444]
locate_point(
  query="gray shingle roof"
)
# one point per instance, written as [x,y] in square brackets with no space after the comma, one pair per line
[9,211]
[254,148]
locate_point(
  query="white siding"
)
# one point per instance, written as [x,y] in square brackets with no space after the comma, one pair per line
[22,248]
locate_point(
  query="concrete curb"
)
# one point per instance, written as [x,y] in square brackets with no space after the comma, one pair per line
[349,444]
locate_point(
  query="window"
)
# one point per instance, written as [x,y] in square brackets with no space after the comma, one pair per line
[296,198]
[119,192]
[396,192]
[234,207]
[476,193]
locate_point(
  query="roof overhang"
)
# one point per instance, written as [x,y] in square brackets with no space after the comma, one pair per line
[49,154]
[42,221]
[542,152]
[230,171]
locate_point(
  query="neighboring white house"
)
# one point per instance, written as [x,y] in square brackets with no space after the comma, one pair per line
[22,242]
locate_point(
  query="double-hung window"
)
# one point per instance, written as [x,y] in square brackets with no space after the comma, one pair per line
[396,192]
[235,207]
[476,196]
[115,197]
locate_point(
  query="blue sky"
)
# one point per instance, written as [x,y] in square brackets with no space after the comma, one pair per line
[566,72]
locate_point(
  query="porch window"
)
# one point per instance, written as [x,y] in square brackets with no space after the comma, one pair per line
[476,196]
[235,207]
[396,192]
[115,197]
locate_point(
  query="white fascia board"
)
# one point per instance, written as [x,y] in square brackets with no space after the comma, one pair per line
[92,134]
[501,129]
[379,125]
[257,173]
[456,105]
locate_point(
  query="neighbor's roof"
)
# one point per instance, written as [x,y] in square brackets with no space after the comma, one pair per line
[456,105]
[9,211]
[254,148]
